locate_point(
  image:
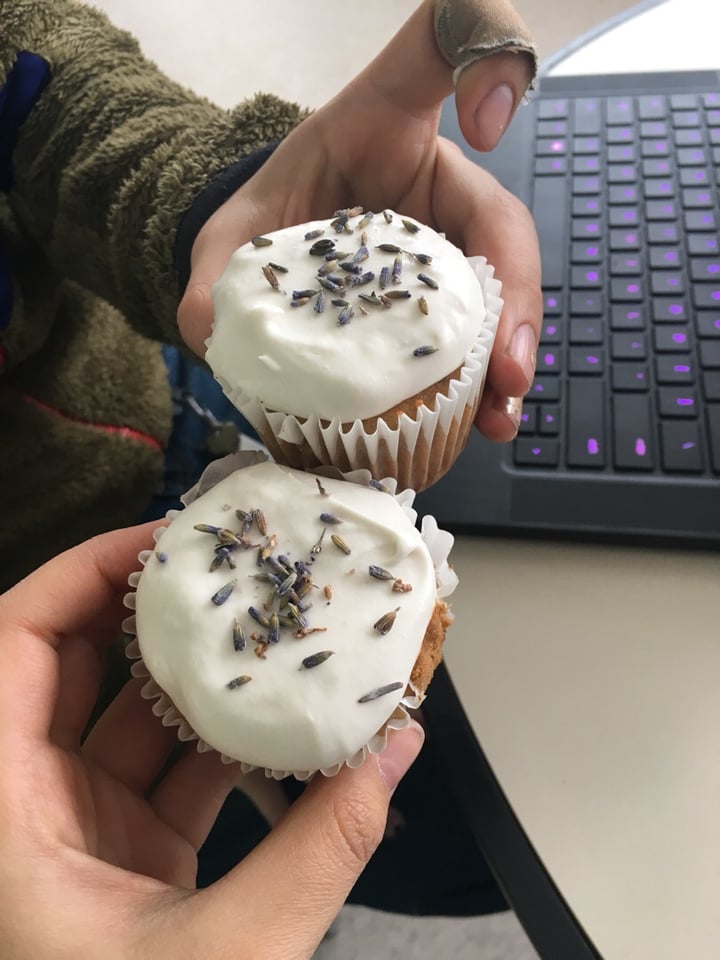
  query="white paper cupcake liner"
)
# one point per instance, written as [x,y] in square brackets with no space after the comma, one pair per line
[417,450]
[439,543]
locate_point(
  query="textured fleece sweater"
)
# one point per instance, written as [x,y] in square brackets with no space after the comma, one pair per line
[107,171]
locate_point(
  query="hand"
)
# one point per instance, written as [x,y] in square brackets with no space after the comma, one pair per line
[376,143]
[98,843]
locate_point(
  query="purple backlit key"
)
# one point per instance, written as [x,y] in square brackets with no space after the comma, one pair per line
[660,210]
[633,447]
[621,173]
[664,258]
[586,361]
[710,355]
[669,339]
[624,240]
[586,164]
[549,420]
[677,402]
[658,187]
[629,377]
[587,278]
[536,452]
[585,330]
[707,324]
[673,369]
[528,421]
[680,447]
[669,309]
[582,252]
[627,290]
[628,346]
[694,177]
[706,296]
[626,265]
[654,167]
[700,221]
[705,269]
[551,331]
[585,423]
[627,316]
[671,282]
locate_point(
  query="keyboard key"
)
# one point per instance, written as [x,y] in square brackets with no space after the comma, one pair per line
[528,421]
[623,216]
[697,199]
[627,316]
[587,116]
[621,153]
[688,138]
[716,155]
[550,208]
[664,258]
[652,107]
[691,157]
[700,220]
[672,368]
[663,233]
[552,128]
[586,361]
[624,240]
[587,278]
[680,447]
[683,101]
[627,193]
[548,360]
[711,386]
[626,291]
[547,147]
[707,324]
[532,452]
[583,230]
[628,346]
[584,145]
[655,148]
[650,129]
[711,100]
[549,420]
[685,119]
[710,354]
[677,402]
[671,339]
[552,109]
[544,388]
[586,164]
[656,188]
[694,177]
[706,296]
[585,185]
[667,281]
[621,173]
[632,432]
[628,377]
[661,210]
[713,419]
[704,269]
[586,331]
[714,135]
[620,135]
[626,265]
[587,305]
[656,168]
[549,166]
[669,310]
[585,424]
[551,331]
[702,244]
[586,206]
[585,252]
[619,110]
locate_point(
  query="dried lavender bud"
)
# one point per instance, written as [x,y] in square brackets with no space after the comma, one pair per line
[398,294]
[328,266]
[259,617]
[428,281]
[388,216]
[380,692]
[380,573]
[339,302]
[349,267]
[287,584]
[332,285]
[303,294]
[314,234]
[361,254]
[271,277]
[273,629]
[340,544]
[320,303]
[424,351]
[389,248]
[384,278]
[339,223]
[330,518]
[206,528]
[315,659]
[361,224]
[424,258]
[261,242]
[361,281]
[376,485]
[223,593]
[345,316]
[162,556]
[423,305]
[239,682]
[278,267]
[397,270]
[321,247]
[410,226]
[238,637]
[385,623]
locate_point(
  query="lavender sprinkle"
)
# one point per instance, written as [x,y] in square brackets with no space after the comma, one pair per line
[238,637]
[428,281]
[380,692]
[239,682]
[315,659]
[223,593]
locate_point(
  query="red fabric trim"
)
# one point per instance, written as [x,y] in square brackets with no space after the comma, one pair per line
[127,432]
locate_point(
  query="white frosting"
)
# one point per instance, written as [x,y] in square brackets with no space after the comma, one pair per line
[302,362]
[287,717]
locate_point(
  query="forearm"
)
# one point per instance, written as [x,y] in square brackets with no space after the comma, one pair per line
[112,154]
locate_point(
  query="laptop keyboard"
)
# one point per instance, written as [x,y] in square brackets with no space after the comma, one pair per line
[628,366]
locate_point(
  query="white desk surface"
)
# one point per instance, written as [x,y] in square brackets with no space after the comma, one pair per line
[590,674]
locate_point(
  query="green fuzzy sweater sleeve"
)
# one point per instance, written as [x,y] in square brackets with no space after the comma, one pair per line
[113,153]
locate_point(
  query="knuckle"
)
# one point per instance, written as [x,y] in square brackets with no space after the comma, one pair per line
[357,830]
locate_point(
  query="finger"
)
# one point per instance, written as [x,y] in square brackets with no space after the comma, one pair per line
[498,417]
[129,742]
[484,218]
[189,797]
[80,674]
[305,869]
[78,592]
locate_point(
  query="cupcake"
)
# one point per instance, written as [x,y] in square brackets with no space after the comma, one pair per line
[288,620]
[361,342]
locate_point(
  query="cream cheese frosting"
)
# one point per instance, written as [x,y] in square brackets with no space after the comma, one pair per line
[319,694]
[406,309]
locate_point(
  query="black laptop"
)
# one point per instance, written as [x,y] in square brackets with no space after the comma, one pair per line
[620,434]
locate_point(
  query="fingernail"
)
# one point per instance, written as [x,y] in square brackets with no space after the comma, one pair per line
[493,114]
[402,748]
[522,350]
[511,407]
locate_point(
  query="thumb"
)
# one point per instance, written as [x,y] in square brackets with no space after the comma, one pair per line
[291,887]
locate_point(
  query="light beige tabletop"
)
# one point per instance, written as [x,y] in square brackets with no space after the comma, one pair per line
[590,674]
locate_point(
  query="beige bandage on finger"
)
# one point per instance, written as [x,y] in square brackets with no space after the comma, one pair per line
[468,30]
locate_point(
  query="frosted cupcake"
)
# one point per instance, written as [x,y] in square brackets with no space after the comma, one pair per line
[289,621]
[360,341]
